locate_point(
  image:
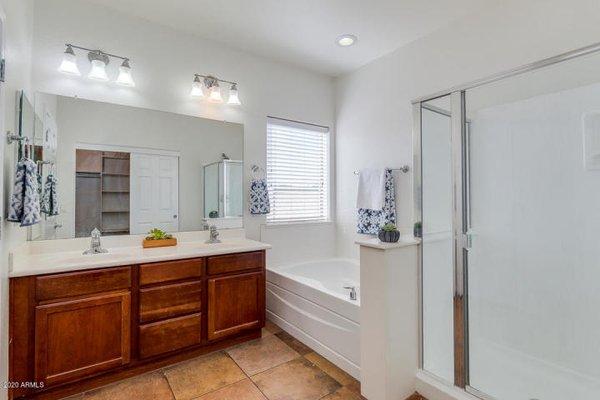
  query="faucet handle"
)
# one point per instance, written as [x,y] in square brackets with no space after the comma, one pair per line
[96,233]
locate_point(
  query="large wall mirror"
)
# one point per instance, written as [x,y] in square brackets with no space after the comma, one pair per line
[126,170]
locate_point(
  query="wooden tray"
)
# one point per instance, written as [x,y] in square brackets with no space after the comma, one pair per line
[159,243]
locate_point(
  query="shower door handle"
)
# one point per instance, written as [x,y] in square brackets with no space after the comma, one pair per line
[467,242]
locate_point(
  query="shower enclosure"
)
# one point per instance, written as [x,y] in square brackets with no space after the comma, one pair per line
[223,197]
[508,191]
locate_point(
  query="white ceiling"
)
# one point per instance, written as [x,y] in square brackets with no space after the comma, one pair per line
[303,32]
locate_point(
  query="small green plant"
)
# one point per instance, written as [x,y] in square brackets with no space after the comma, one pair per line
[158,234]
[418,225]
[389,228]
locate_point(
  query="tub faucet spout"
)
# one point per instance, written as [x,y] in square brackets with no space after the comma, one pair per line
[352,291]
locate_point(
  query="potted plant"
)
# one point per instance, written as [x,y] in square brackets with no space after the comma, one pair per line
[389,234]
[159,238]
[418,229]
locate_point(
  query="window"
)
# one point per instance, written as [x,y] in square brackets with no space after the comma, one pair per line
[297,172]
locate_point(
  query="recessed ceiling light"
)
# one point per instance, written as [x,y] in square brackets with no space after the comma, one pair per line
[346,40]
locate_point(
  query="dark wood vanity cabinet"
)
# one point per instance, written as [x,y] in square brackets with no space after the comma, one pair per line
[76,330]
[77,338]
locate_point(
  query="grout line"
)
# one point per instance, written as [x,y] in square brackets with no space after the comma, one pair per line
[162,373]
[247,376]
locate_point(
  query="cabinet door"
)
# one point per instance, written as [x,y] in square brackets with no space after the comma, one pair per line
[235,303]
[81,337]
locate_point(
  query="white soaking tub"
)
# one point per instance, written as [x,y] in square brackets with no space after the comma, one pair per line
[308,300]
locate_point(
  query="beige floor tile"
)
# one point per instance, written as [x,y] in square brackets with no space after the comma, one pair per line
[294,343]
[243,390]
[270,328]
[202,375]
[152,386]
[330,368]
[261,354]
[343,394]
[295,380]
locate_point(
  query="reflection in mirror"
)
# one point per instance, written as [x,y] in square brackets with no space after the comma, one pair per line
[126,170]
[222,189]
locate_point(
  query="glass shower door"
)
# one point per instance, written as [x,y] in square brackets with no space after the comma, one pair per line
[437,244]
[534,253]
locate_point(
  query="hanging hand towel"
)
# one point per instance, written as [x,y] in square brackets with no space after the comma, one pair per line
[259,197]
[24,204]
[370,221]
[371,189]
[50,197]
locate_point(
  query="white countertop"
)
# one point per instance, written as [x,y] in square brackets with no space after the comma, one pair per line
[25,262]
[378,244]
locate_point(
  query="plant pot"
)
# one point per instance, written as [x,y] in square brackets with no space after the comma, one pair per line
[418,231]
[159,243]
[389,236]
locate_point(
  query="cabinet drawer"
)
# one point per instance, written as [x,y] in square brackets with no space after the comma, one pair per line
[171,271]
[71,284]
[170,300]
[169,335]
[235,262]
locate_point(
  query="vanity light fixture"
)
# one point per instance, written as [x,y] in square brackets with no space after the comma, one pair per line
[215,93]
[346,40]
[197,87]
[125,78]
[233,96]
[98,60]
[98,71]
[211,83]
[69,63]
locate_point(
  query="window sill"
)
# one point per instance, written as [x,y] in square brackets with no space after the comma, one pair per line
[275,225]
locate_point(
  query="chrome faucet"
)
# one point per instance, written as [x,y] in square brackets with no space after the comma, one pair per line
[205,226]
[352,291]
[95,245]
[214,235]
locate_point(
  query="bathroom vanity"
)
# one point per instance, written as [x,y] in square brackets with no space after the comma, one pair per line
[77,322]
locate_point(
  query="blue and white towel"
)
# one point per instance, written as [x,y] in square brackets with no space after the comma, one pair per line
[370,221]
[259,197]
[24,206]
[50,196]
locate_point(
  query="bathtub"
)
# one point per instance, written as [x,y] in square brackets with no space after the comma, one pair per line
[308,300]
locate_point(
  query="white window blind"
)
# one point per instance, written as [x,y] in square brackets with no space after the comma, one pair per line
[297,172]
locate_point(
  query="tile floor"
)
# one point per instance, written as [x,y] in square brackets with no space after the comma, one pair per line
[275,367]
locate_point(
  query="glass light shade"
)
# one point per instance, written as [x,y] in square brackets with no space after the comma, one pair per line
[197,89]
[233,96]
[98,71]
[125,78]
[215,94]
[69,65]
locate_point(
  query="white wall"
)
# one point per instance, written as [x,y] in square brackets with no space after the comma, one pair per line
[163,62]
[199,141]
[17,39]
[373,104]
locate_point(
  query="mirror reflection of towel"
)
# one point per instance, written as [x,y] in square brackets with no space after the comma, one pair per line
[259,197]
[50,197]
[370,221]
[24,206]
